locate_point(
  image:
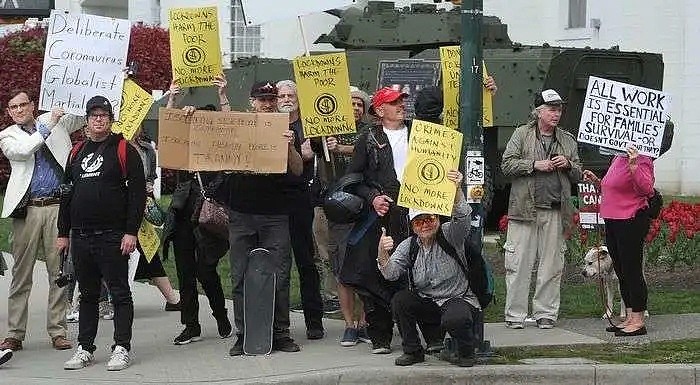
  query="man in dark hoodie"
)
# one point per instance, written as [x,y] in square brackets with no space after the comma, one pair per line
[103,210]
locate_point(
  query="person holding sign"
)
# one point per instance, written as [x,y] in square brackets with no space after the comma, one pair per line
[37,149]
[542,160]
[102,205]
[438,297]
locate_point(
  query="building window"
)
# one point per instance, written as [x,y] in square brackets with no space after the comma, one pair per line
[245,40]
[577,13]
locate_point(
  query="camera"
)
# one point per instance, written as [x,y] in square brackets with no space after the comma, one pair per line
[64,279]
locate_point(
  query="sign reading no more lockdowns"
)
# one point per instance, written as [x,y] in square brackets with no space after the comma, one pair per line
[616,115]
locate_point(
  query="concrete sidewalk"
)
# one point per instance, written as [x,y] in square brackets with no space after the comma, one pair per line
[158,361]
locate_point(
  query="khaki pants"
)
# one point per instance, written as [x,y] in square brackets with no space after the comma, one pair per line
[329,288]
[38,228]
[527,242]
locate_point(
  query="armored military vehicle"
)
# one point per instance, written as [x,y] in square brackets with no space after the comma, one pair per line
[383,33]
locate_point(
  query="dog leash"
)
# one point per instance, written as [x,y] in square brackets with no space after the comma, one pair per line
[608,310]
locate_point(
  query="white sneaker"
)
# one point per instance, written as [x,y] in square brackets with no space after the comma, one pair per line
[73,315]
[5,355]
[120,359]
[81,358]
[106,310]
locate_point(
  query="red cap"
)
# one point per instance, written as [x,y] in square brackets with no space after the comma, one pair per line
[386,95]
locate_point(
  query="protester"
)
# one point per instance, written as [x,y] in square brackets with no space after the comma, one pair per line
[542,160]
[302,214]
[439,297]
[37,150]
[259,217]
[197,251]
[102,208]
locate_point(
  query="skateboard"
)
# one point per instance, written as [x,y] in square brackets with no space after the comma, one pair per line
[259,285]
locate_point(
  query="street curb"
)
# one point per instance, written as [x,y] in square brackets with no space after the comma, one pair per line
[676,374]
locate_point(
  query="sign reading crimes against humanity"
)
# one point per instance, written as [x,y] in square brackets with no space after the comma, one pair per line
[215,141]
[433,150]
[72,73]
[195,51]
[324,95]
[616,115]
[136,103]
[451,75]
[589,206]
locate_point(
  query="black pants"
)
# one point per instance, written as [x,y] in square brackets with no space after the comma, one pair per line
[193,266]
[380,324]
[300,231]
[454,316]
[625,241]
[97,256]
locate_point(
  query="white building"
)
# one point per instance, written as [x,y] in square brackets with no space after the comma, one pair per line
[668,27]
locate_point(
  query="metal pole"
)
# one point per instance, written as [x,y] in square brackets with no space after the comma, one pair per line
[470,91]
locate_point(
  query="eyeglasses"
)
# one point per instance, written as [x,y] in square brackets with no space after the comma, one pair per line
[20,106]
[98,116]
[424,220]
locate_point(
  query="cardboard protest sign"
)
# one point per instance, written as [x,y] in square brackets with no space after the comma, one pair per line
[324,95]
[148,239]
[433,150]
[136,103]
[195,51]
[616,115]
[215,141]
[451,75]
[589,206]
[72,72]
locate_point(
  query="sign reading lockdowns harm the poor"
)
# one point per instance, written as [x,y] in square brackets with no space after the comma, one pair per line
[589,206]
[136,103]
[85,56]
[324,95]
[195,51]
[433,150]
[618,115]
[148,240]
[215,141]
[451,75]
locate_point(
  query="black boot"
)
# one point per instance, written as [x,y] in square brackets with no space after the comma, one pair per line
[407,359]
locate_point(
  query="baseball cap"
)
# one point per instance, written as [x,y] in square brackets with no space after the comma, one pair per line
[548,96]
[263,89]
[412,213]
[99,102]
[385,95]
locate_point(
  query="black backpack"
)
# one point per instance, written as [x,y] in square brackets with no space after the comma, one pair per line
[478,271]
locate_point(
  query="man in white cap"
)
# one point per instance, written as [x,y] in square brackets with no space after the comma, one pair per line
[542,160]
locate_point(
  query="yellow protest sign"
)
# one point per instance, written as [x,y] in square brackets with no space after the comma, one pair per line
[323,88]
[135,105]
[148,239]
[195,51]
[433,150]
[450,63]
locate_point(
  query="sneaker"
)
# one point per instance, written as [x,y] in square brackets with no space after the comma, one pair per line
[350,337]
[5,355]
[362,335]
[515,325]
[545,323]
[173,306]
[119,360]
[331,306]
[315,334]
[381,349]
[237,348]
[73,315]
[81,358]
[297,308]
[106,310]
[457,359]
[285,345]
[435,347]
[407,359]
[190,334]
[224,327]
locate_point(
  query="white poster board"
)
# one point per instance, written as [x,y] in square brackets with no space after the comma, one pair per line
[616,115]
[261,11]
[85,56]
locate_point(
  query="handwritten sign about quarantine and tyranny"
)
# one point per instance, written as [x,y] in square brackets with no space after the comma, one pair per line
[324,94]
[85,56]
[215,141]
[618,115]
[433,150]
[136,103]
[195,51]
[589,206]
[451,75]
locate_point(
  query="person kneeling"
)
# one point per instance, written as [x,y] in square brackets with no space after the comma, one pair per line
[438,298]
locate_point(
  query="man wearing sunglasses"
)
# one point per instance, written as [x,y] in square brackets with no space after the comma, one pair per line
[37,149]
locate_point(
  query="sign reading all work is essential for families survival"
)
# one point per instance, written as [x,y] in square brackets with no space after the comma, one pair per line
[618,115]
[85,56]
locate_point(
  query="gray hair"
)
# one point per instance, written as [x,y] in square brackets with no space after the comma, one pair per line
[535,113]
[287,83]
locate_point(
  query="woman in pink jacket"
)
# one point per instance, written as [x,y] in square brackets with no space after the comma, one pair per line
[625,191]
